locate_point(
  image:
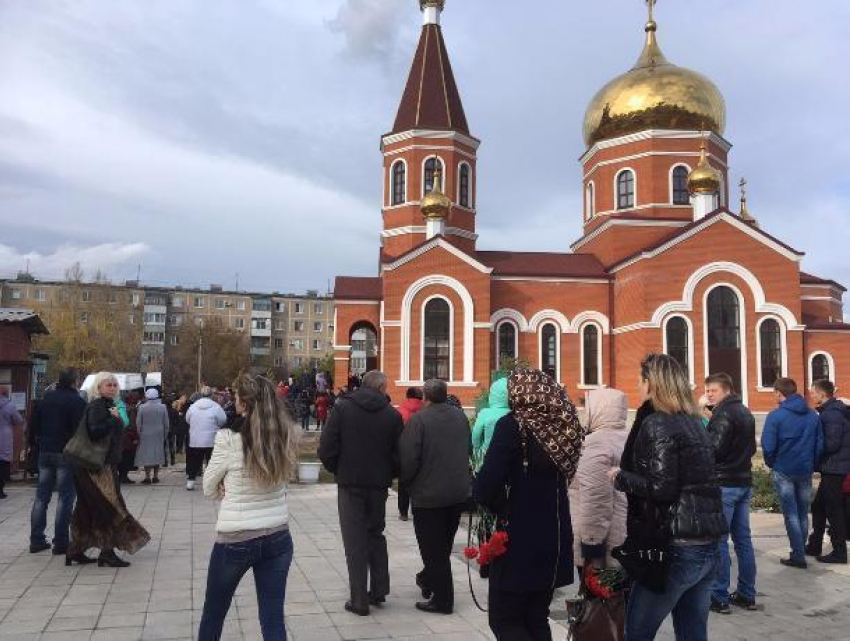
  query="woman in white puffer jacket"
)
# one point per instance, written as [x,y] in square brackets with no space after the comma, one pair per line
[249,470]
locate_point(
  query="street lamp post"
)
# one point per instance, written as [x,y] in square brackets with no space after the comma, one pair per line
[200,352]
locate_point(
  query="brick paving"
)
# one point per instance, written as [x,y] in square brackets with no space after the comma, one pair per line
[161,595]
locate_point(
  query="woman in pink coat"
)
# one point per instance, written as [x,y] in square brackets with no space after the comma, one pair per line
[598,510]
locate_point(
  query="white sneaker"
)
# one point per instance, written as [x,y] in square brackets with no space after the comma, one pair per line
[190,485]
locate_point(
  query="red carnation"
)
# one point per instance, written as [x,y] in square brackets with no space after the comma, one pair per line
[470,553]
[595,586]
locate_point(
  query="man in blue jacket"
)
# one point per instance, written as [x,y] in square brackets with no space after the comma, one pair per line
[792,442]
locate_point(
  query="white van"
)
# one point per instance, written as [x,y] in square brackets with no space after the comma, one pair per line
[153,379]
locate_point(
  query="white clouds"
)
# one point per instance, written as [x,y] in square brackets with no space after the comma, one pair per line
[106,258]
[371,28]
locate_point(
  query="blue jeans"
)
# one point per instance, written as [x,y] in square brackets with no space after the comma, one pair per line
[795,495]
[54,473]
[736,508]
[688,596]
[270,558]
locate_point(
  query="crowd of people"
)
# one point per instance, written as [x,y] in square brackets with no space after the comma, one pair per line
[659,501]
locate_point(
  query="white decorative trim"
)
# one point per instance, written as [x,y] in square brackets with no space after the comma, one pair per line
[600,336]
[598,318]
[446,148]
[391,181]
[672,183]
[342,348]
[342,358]
[611,222]
[432,134]
[548,315]
[497,328]
[482,325]
[391,323]
[549,321]
[381,322]
[644,207]
[742,329]
[451,335]
[649,134]
[724,217]
[589,201]
[448,383]
[552,279]
[690,327]
[830,362]
[422,229]
[783,345]
[437,241]
[634,187]
[506,313]
[468,316]
[651,154]
[335,315]
[829,298]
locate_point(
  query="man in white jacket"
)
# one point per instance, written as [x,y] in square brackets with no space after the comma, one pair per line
[205,418]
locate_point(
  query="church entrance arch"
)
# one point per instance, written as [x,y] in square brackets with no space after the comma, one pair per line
[723,329]
[365,350]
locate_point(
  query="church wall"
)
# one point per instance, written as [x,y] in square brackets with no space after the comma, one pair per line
[621,241]
[835,345]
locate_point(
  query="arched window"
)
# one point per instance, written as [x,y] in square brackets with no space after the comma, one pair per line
[681,196]
[590,355]
[549,349]
[399,183]
[820,368]
[463,197]
[507,343]
[723,317]
[436,348]
[678,342]
[626,189]
[590,204]
[770,339]
[430,165]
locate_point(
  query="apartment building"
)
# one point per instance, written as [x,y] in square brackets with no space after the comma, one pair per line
[284,331]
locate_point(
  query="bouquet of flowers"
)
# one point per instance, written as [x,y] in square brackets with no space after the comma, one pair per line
[605,583]
[488,550]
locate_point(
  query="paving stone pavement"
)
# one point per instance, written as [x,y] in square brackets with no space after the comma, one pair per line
[160,596]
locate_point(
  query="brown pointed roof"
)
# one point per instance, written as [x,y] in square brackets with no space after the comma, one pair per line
[431,99]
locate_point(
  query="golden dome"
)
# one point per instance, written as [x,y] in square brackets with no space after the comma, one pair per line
[705,179]
[436,204]
[654,94]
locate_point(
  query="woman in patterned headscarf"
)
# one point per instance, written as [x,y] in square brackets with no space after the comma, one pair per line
[530,462]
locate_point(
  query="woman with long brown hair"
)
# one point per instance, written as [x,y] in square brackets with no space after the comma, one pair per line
[675,512]
[250,466]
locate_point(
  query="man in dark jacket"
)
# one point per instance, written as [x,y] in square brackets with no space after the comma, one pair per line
[792,442]
[435,450]
[359,444]
[834,467]
[732,430]
[54,422]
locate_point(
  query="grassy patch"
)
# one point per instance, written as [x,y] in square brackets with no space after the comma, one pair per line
[764,493]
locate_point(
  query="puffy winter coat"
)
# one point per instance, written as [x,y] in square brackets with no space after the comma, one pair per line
[245,505]
[205,418]
[836,436]
[792,438]
[409,407]
[732,430]
[598,510]
[9,418]
[485,423]
[668,474]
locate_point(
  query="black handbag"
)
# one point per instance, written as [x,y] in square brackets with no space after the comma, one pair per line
[646,564]
[82,451]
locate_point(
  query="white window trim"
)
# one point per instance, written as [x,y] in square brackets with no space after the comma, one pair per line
[589,201]
[690,327]
[498,327]
[391,190]
[829,360]
[743,331]
[670,181]
[471,205]
[617,194]
[557,347]
[584,385]
[783,344]
[442,172]
[451,336]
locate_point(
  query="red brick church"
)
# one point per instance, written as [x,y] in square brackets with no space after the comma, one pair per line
[663,263]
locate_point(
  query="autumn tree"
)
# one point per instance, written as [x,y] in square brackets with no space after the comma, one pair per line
[224,354]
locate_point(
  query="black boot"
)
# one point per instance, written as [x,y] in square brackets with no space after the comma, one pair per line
[109,558]
[814,547]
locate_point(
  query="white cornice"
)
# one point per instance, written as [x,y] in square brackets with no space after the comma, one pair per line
[668,134]
[625,222]
[461,152]
[432,134]
[420,229]
[435,242]
[553,279]
[724,217]
[649,154]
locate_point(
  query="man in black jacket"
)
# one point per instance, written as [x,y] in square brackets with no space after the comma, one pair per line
[834,467]
[435,469]
[359,444]
[732,429]
[54,422]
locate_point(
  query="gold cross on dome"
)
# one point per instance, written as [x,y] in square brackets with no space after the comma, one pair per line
[651,5]
[743,186]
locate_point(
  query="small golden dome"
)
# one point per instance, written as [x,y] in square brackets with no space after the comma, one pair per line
[436,204]
[705,179]
[440,4]
[654,94]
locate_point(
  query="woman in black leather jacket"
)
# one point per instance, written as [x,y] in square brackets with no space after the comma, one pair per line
[675,513]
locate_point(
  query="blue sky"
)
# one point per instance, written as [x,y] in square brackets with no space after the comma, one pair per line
[203,139]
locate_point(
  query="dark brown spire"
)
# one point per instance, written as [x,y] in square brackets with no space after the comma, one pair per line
[431,99]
